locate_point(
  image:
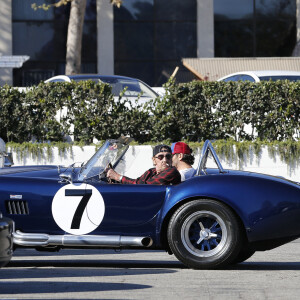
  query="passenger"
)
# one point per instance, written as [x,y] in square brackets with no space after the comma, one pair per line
[162,174]
[183,159]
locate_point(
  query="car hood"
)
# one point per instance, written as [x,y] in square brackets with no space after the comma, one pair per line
[45,171]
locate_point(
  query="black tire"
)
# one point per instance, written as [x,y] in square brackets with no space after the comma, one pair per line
[204,234]
[6,240]
[242,256]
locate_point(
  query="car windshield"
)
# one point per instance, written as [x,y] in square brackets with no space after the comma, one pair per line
[110,153]
[280,77]
[134,87]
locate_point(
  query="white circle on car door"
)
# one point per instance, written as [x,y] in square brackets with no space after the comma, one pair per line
[78,208]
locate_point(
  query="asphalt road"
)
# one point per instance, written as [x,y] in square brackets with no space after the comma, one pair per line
[105,274]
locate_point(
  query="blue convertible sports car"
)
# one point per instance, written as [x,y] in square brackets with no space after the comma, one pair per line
[214,219]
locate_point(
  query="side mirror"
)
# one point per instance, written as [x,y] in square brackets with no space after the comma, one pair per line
[8,162]
[6,159]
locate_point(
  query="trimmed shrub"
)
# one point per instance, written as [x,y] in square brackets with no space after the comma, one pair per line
[194,111]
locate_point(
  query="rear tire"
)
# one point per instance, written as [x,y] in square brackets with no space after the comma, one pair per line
[204,234]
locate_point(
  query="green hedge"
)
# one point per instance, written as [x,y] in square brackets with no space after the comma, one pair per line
[218,110]
[193,112]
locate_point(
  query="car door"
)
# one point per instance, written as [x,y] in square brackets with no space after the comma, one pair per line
[107,209]
[130,207]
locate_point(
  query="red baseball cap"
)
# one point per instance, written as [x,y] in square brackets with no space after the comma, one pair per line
[181,147]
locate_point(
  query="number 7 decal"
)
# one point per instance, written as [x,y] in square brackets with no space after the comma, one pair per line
[78,208]
[81,206]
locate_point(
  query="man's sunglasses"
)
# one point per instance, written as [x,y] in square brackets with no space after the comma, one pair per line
[161,156]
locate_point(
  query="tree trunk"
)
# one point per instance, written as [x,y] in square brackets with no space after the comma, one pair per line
[296,51]
[74,39]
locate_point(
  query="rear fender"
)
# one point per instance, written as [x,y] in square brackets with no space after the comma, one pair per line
[268,209]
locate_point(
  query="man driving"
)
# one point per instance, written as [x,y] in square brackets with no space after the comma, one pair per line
[162,174]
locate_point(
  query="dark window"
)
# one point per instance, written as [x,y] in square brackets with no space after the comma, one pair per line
[41,41]
[143,70]
[256,28]
[244,77]
[43,35]
[138,10]
[283,77]
[22,11]
[57,80]
[232,78]
[175,10]
[35,76]
[175,40]
[152,37]
[133,41]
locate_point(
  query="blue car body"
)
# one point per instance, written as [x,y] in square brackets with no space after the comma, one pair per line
[265,209]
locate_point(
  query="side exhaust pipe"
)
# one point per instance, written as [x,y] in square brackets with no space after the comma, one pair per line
[113,241]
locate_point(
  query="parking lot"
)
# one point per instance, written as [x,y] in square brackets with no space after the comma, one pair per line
[105,274]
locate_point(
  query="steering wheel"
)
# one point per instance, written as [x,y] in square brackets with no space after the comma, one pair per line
[103,174]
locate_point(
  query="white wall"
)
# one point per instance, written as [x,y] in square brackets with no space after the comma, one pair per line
[142,161]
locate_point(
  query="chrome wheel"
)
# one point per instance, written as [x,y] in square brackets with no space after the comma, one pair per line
[204,234]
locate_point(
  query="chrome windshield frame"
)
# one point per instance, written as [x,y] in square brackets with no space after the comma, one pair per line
[90,163]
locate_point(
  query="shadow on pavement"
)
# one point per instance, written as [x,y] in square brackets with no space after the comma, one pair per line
[45,287]
[266,266]
[97,264]
[146,264]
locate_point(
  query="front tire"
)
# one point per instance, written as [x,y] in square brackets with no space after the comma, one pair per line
[204,234]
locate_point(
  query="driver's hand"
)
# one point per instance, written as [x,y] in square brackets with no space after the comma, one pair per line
[112,174]
[107,169]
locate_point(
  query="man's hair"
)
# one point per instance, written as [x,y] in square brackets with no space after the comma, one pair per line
[188,158]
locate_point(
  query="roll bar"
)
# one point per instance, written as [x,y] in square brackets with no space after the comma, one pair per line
[207,147]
